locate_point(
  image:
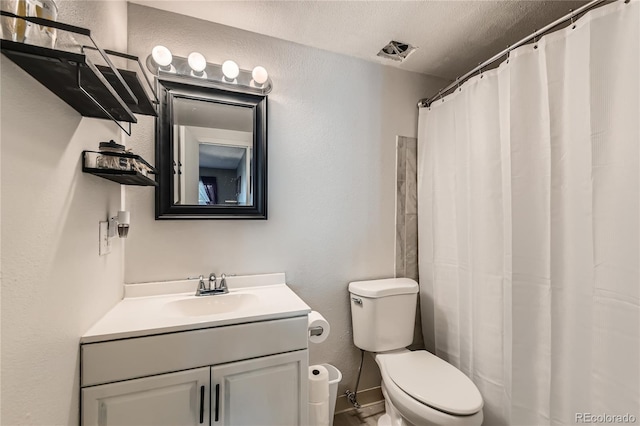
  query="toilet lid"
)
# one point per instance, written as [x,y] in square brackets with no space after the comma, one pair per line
[434,382]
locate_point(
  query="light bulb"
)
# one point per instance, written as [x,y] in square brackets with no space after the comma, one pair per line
[197,62]
[260,75]
[162,56]
[230,69]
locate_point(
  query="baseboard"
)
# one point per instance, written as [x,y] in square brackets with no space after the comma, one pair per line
[365,397]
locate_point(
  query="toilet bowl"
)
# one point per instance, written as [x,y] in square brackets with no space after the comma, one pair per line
[419,388]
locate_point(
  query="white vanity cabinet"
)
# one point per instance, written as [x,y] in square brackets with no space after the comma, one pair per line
[264,391]
[180,398]
[244,374]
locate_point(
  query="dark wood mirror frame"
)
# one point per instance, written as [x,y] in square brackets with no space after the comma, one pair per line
[168,90]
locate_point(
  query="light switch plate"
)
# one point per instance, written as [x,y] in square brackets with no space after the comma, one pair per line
[105,243]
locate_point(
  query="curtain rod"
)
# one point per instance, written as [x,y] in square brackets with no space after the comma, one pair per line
[571,15]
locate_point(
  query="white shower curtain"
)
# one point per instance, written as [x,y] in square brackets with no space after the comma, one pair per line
[529,225]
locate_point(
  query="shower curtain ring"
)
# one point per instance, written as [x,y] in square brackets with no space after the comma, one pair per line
[508,52]
[535,39]
[573,24]
[458,84]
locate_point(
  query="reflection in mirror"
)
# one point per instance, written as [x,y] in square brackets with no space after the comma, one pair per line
[213,143]
[211,153]
[224,175]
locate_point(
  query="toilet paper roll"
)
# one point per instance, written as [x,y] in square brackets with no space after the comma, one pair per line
[317,320]
[318,384]
[319,413]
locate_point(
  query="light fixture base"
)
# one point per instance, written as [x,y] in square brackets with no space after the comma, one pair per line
[213,77]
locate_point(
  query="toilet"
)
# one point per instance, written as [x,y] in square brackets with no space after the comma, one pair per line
[419,388]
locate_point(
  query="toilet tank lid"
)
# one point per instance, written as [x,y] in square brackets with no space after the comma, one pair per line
[384,287]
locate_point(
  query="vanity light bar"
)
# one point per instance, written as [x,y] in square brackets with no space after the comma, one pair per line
[227,76]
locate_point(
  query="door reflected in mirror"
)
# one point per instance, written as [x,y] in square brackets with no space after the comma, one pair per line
[211,145]
[224,175]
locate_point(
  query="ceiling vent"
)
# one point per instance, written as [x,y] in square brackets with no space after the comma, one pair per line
[396,51]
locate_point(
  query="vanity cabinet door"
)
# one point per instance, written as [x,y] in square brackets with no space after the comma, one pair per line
[168,399]
[268,391]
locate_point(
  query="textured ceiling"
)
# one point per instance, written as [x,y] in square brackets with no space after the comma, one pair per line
[452,36]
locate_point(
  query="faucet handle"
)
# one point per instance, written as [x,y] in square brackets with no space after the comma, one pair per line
[201,285]
[223,282]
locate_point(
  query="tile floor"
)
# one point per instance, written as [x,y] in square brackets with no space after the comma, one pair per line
[367,415]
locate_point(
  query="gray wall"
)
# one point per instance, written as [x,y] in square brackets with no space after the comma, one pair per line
[54,284]
[333,122]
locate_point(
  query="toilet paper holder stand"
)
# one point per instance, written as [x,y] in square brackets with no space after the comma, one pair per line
[316,331]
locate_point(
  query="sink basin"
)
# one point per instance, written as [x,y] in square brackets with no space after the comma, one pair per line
[212,305]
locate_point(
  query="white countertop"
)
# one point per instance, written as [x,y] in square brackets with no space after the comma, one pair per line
[145,311]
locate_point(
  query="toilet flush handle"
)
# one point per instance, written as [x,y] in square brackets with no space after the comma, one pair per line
[357,300]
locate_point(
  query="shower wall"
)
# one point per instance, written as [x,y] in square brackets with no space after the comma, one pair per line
[406,261]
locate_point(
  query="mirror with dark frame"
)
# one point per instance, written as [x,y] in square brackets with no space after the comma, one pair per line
[211,153]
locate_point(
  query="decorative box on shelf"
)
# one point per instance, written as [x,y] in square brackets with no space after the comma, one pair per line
[124,168]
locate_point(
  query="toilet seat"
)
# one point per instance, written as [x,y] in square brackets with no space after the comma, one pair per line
[416,411]
[434,382]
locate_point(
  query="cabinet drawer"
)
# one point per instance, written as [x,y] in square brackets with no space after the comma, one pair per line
[125,359]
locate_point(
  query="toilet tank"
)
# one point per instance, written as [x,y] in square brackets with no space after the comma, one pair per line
[383,313]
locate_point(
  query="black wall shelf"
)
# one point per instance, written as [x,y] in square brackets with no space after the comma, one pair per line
[96,91]
[66,74]
[123,177]
[143,105]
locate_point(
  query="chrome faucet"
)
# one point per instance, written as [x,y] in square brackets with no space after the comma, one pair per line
[212,288]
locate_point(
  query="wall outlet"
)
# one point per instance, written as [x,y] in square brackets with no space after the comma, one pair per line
[105,241]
